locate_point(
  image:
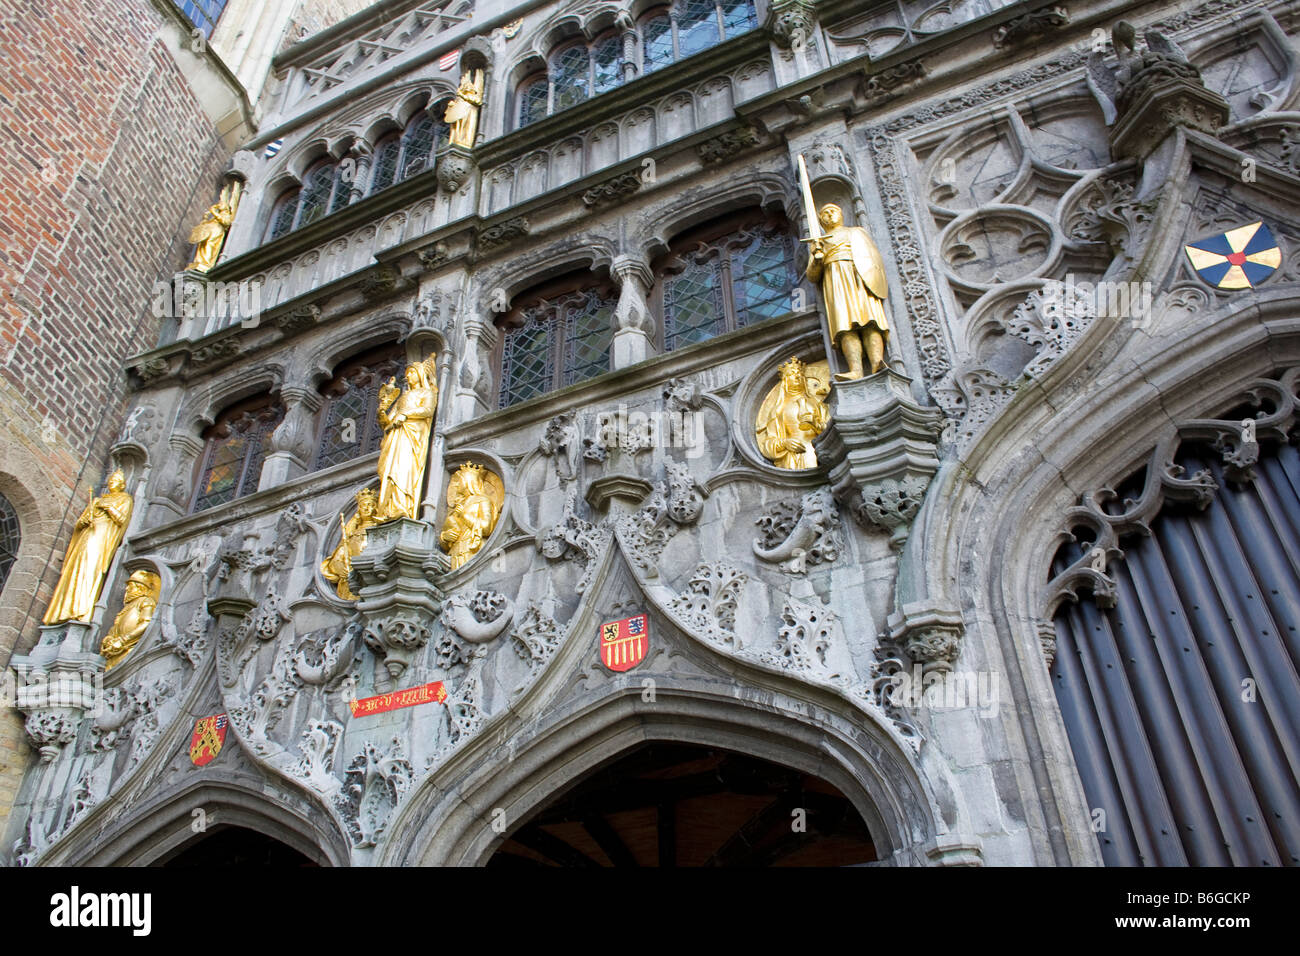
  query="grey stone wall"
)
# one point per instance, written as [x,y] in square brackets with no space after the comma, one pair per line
[979,159]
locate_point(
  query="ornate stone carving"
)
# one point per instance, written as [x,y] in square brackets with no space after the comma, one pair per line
[49,731]
[880,450]
[1028,26]
[494,237]
[295,320]
[237,646]
[214,352]
[804,639]
[322,660]
[1051,319]
[708,605]
[880,85]
[728,145]
[792,22]
[536,636]
[375,783]
[455,166]
[928,636]
[319,743]
[797,533]
[379,284]
[573,538]
[1109,213]
[560,442]
[682,395]
[616,189]
[479,617]
[432,256]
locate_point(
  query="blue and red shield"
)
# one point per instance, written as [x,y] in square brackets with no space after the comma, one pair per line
[1240,258]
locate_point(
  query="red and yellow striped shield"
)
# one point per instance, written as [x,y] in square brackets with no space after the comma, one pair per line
[624,644]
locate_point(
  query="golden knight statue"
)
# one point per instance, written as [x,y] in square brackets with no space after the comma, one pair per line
[474,499]
[95,540]
[852,276]
[404,451]
[337,566]
[209,235]
[138,606]
[793,414]
[462,112]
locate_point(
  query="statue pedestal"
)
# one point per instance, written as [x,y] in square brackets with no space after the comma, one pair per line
[58,683]
[879,450]
[397,594]
[1158,107]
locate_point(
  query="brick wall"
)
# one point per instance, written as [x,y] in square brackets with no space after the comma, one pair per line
[106,160]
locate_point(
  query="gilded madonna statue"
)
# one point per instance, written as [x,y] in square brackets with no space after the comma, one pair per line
[407,422]
[95,540]
[474,499]
[338,565]
[210,234]
[793,414]
[141,600]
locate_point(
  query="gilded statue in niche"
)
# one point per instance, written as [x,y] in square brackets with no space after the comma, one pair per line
[95,540]
[407,422]
[210,234]
[138,606]
[338,565]
[474,499]
[793,414]
[847,265]
[462,112]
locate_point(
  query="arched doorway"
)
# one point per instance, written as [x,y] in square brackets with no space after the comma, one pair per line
[673,804]
[234,846]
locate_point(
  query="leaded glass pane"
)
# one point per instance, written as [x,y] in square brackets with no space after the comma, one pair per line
[10,538]
[315,195]
[693,309]
[351,428]
[738,17]
[570,77]
[417,144]
[527,363]
[532,103]
[282,217]
[588,332]
[658,43]
[384,168]
[235,461]
[762,279]
[697,26]
[608,64]
[342,187]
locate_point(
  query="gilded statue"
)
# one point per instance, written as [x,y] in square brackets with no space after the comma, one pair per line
[852,275]
[95,540]
[336,567]
[209,235]
[793,414]
[138,606]
[474,499]
[462,112]
[404,451]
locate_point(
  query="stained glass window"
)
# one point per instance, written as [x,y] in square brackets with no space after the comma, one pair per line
[569,76]
[607,64]
[697,26]
[384,166]
[562,339]
[10,538]
[236,447]
[418,143]
[657,42]
[315,197]
[349,422]
[202,13]
[283,215]
[725,276]
[738,16]
[532,102]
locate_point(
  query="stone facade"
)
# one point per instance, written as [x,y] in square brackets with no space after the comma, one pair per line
[787,608]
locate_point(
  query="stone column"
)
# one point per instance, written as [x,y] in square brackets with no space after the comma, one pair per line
[634,334]
[293,441]
[176,485]
[472,383]
[363,155]
[626,27]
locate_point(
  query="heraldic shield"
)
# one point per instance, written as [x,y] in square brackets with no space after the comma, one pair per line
[209,735]
[624,644]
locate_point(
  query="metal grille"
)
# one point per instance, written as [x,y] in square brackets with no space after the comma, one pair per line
[10,538]
[1182,702]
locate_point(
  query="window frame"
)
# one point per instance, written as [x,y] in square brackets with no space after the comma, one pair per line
[371,361]
[558,295]
[271,405]
[11,539]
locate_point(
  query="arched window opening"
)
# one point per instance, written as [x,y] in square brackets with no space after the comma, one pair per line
[656,42]
[349,420]
[284,213]
[316,192]
[672,805]
[425,134]
[724,276]
[384,166]
[532,101]
[570,77]
[236,446]
[10,538]
[555,337]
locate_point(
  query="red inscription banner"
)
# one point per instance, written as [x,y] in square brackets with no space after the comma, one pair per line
[424,694]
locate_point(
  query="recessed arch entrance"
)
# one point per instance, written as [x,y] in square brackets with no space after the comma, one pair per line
[672,804]
[234,846]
